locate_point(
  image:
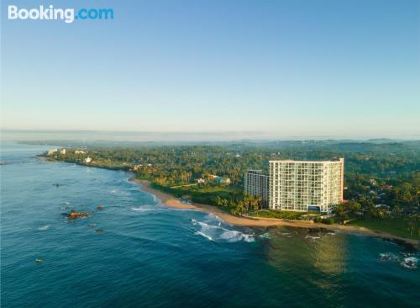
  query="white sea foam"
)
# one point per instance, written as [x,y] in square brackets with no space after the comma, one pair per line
[216,232]
[204,235]
[44,228]
[143,209]
[206,226]
[214,217]
[118,192]
[312,237]
[236,236]
[409,262]
[388,256]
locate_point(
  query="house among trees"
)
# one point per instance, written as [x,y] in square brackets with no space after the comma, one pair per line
[52,151]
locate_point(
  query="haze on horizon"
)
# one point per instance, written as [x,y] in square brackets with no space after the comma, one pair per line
[278,69]
[123,137]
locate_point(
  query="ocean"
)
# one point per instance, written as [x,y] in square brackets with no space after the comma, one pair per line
[135,252]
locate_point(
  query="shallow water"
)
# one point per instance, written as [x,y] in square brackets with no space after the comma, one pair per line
[135,252]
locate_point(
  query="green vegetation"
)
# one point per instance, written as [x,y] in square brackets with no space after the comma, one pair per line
[327,221]
[226,197]
[382,179]
[404,227]
[278,214]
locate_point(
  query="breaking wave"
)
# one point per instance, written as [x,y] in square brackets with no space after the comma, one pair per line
[203,235]
[215,231]
[143,209]
[118,192]
[407,260]
[312,237]
[388,256]
[44,228]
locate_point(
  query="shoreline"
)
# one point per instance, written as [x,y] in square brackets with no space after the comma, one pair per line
[262,222]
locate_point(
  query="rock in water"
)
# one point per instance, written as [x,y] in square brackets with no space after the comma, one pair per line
[76,214]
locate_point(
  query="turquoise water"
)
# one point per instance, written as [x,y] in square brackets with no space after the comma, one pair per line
[137,253]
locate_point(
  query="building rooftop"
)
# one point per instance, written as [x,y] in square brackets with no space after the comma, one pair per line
[307,161]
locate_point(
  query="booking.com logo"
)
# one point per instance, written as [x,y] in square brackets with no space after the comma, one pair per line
[50,13]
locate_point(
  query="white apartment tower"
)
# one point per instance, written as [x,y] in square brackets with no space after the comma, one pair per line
[305,185]
[256,184]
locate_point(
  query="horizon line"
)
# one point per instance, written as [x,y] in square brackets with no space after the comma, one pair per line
[237,135]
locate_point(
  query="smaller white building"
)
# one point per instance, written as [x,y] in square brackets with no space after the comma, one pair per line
[256,184]
[201,181]
[137,167]
[52,151]
[88,160]
[63,152]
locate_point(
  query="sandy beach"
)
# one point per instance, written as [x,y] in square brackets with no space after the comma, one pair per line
[261,222]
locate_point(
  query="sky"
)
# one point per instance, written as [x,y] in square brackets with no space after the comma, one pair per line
[348,68]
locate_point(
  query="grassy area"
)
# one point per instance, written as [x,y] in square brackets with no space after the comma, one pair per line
[202,194]
[278,214]
[395,226]
[214,188]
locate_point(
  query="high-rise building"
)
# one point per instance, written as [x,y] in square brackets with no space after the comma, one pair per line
[256,184]
[305,185]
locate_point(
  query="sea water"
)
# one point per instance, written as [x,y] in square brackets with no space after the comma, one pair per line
[135,252]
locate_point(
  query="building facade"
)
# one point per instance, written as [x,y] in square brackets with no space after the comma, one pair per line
[256,184]
[305,185]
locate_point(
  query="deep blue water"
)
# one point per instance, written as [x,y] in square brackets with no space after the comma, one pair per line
[137,253]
